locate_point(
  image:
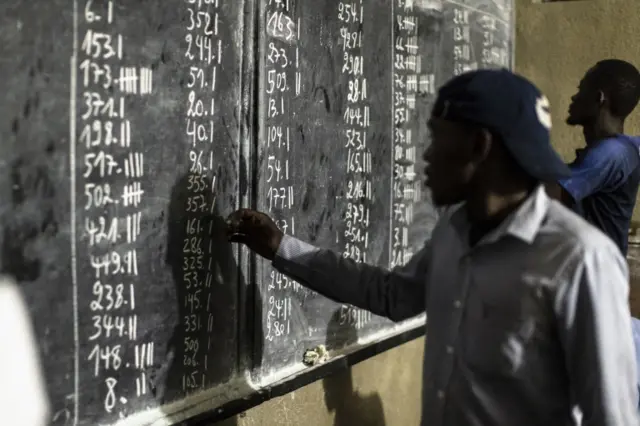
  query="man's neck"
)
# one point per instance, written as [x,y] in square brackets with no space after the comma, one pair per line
[599,131]
[487,211]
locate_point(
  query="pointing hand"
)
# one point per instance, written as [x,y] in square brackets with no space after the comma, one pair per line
[256,230]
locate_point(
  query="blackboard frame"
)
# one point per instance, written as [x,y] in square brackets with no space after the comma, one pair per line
[296,381]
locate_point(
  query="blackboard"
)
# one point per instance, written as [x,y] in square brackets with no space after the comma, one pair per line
[131,129]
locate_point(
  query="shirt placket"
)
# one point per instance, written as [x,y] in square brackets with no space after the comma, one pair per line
[450,346]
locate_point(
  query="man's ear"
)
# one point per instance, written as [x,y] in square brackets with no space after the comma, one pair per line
[601,98]
[482,143]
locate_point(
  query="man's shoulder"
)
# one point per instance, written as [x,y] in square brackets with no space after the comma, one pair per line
[568,247]
[573,233]
[619,146]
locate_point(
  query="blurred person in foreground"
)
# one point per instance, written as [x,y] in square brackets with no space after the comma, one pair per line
[23,399]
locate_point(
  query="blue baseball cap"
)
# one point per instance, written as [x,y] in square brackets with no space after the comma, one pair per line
[511,107]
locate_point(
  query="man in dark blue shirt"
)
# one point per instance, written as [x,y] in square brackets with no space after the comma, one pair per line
[606,173]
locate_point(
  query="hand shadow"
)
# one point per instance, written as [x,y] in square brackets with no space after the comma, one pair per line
[349,406]
[208,285]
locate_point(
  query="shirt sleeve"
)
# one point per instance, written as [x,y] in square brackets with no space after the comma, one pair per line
[22,391]
[602,167]
[595,330]
[397,294]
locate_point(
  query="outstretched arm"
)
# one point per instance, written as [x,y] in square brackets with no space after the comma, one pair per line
[397,294]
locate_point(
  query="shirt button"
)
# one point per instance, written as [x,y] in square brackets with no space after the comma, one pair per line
[440,394]
[449,350]
[457,304]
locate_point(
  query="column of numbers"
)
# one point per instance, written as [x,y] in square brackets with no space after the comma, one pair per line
[408,83]
[282,82]
[203,54]
[359,191]
[112,169]
[462,41]
[493,55]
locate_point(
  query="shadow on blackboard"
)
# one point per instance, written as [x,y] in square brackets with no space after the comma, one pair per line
[218,280]
[349,406]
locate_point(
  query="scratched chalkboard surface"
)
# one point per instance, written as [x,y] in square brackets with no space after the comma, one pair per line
[131,129]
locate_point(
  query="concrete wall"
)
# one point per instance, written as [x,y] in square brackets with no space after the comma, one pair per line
[556,43]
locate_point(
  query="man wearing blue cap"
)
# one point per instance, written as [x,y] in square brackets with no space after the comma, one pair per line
[527,302]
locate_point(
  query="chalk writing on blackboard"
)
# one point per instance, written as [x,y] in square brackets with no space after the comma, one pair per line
[204,54]
[408,81]
[112,165]
[354,241]
[177,112]
[282,83]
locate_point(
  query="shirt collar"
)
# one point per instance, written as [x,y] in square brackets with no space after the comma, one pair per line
[523,224]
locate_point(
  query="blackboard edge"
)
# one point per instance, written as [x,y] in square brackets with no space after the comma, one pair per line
[305,377]
[247,293]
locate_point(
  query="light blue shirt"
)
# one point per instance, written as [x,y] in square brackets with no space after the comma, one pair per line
[530,322]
